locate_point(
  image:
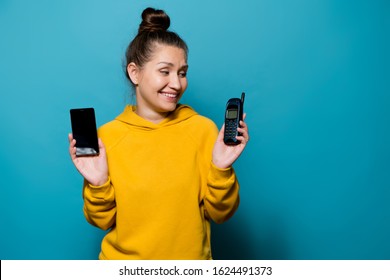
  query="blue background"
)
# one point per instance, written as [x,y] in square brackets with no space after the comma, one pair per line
[315,180]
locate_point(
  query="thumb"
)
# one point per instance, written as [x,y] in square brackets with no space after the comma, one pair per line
[221,133]
[101,145]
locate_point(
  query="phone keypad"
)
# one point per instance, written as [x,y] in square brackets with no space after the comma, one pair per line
[231,129]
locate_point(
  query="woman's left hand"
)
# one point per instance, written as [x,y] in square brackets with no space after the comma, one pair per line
[225,155]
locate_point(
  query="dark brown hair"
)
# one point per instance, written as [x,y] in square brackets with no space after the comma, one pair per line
[152,30]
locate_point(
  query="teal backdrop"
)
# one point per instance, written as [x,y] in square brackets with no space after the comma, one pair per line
[315,177]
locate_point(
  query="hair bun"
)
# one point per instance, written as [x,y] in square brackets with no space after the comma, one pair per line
[154,20]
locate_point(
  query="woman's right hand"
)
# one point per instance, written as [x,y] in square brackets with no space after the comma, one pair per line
[93,168]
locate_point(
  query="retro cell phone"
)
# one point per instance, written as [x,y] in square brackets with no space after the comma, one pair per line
[84,131]
[233,115]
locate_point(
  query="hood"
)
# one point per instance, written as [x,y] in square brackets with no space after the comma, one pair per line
[182,112]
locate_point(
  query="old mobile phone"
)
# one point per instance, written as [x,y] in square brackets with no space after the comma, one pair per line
[84,131]
[233,115]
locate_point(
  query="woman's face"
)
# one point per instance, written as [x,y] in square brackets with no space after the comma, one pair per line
[161,82]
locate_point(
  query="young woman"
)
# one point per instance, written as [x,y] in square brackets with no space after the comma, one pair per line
[163,172]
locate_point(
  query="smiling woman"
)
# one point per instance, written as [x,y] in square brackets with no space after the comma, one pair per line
[160,82]
[163,172]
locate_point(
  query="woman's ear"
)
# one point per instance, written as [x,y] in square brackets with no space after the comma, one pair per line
[133,72]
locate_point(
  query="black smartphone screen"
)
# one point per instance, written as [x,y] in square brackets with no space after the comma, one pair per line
[84,131]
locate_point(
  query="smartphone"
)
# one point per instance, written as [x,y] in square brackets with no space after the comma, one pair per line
[84,131]
[233,115]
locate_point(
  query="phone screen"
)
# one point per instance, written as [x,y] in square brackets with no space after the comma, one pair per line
[84,131]
[232,113]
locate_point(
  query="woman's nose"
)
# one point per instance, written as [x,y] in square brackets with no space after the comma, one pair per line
[174,82]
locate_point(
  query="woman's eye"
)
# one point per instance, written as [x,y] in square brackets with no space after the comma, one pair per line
[183,74]
[164,72]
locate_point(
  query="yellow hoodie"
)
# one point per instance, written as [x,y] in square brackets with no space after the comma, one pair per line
[163,188]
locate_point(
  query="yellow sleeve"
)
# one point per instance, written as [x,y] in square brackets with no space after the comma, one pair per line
[99,204]
[222,197]
[221,188]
